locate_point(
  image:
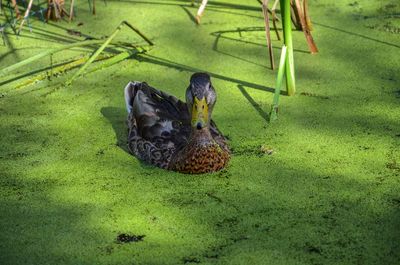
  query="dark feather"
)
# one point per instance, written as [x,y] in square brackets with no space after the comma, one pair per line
[158,124]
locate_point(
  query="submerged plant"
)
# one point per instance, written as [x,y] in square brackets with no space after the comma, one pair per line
[87,62]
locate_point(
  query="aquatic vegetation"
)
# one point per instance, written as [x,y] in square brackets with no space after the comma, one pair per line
[318,186]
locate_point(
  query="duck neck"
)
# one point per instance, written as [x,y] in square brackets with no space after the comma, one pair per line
[201,137]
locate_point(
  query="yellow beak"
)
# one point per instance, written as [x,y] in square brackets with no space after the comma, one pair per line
[199,113]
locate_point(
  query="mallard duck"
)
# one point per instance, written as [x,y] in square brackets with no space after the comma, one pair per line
[174,135]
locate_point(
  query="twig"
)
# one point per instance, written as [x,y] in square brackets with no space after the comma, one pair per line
[3,35]
[306,15]
[57,9]
[138,32]
[71,10]
[267,32]
[294,15]
[269,10]
[16,10]
[275,18]
[48,10]
[310,41]
[64,11]
[200,11]
[28,9]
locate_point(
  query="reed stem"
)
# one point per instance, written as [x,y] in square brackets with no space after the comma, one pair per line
[279,80]
[104,45]
[268,32]
[287,36]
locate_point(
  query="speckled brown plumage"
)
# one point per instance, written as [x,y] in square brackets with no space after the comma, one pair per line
[161,129]
[201,155]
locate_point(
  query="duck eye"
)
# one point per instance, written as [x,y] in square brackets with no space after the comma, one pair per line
[202,107]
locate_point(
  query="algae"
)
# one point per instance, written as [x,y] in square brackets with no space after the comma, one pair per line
[328,194]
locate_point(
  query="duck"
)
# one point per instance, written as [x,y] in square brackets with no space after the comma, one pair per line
[175,135]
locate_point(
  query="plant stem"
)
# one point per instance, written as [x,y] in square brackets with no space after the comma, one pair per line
[200,11]
[275,18]
[71,10]
[46,53]
[310,41]
[275,103]
[138,32]
[268,32]
[93,57]
[106,61]
[16,10]
[113,60]
[65,47]
[56,71]
[308,20]
[103,46]
[287,36]
[28,9]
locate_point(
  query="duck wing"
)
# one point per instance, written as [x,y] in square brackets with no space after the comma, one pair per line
[158,123]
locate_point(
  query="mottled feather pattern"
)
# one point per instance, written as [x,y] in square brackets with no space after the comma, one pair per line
[159,133]
[158,151]
[201,159]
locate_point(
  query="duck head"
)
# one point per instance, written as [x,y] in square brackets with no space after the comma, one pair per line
[200,99]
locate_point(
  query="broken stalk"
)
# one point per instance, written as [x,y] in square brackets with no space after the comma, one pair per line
[310,41]
[308,20]
[16,10]
[275,18]
[28,9]
[268,32]
[275,103]
[102,47]
[200,11]
[71,10]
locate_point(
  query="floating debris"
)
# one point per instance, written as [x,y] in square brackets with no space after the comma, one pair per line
[74,32]
[126,238]
[266,150]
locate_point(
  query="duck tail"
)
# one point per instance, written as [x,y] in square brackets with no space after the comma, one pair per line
[130,93]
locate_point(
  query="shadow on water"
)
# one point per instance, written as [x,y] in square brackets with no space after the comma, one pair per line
[190,15]
[117,118]
[181,67]
[221,35]
[215,48]
[214,4]
[218,10]
[257,107]
[356,34]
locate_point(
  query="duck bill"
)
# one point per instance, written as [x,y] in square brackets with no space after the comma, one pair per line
[199,113]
